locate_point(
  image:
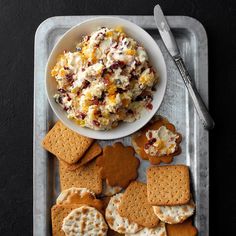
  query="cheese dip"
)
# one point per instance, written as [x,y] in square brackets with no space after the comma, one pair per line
[106,80]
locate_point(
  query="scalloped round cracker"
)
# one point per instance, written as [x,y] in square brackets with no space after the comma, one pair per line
[174,214]
[160,230]
[115,221]
[85,221]
[65,194]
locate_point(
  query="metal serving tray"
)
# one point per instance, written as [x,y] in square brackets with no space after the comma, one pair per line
[177,107]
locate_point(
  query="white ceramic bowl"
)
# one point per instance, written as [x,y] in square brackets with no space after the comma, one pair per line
[68,42]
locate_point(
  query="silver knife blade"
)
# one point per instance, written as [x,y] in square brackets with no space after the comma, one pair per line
[165,32]
[170,43]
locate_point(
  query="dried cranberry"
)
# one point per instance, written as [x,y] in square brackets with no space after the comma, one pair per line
[95,101]
[147,145]
[87,37]
[143,69]
[117,64]
[150,135]
[139,98]
[138,63]
[104,71]
[106,80]
[114,66]
[102,96]
[68,97]
[120,90]
[61,90]
[152,141]
[66,68]
[81,115]
[59,100]
[69,78]
[98,113]
[65,108]
[96,122]
[149,106]
[130,111]
[134,77]
[148,97]
[85,84]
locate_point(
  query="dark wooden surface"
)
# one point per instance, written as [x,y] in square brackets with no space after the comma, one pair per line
[18,22]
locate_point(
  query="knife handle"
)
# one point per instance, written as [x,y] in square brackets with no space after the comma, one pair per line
[200,107]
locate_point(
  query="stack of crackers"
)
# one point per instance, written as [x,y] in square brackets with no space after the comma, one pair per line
[100,194]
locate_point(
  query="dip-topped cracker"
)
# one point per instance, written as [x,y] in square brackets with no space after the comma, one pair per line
[118,164]
[158,141]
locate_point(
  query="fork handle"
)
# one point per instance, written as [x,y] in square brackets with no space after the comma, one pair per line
[199,105]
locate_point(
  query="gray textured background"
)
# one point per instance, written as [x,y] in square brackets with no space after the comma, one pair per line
[18,22]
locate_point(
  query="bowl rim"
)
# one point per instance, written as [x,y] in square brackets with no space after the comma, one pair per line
[102,134]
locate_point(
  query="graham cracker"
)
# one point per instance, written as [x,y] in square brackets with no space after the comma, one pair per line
[87,176]
[66,144]
[168,185]
[58,213]
[184,229]
[93,151]
[135,207]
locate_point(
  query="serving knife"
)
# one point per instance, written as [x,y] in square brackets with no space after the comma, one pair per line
[171,46]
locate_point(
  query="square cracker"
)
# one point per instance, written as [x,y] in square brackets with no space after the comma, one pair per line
[58,213]
[66,144]
[135,207]
[87,176]
[168,185]
[93,151]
